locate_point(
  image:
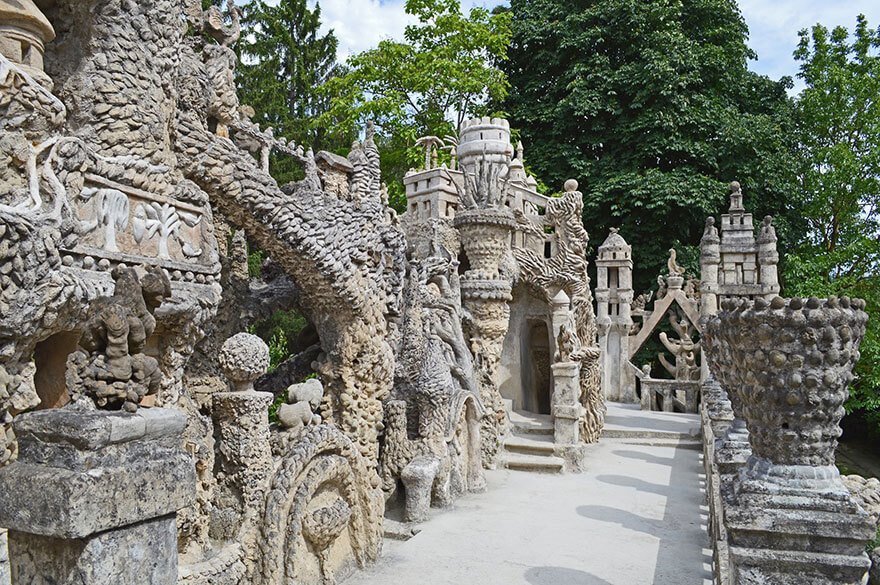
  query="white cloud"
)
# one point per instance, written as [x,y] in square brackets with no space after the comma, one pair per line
[361,24]
[774,27]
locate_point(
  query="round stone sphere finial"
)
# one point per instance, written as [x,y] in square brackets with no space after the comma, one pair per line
[570,186]
[735,187]
[244,358]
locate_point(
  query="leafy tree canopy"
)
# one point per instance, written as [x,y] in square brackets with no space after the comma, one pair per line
[838,174]
[651,106]
[284,59]
[441,73]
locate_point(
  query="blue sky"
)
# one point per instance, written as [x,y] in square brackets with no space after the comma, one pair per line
[773,24]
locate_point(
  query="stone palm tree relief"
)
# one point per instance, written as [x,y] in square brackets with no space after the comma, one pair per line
[113,209]
[164,221]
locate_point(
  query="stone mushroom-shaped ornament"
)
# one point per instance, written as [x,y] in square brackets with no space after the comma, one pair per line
[244,358]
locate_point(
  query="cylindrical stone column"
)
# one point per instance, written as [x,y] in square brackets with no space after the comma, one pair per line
[241,418]
[93,497]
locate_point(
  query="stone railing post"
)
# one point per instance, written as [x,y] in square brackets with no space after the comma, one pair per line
[241,417]
[93,497]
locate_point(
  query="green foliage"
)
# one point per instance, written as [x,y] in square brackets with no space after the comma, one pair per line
[280,332]
[838,125]
[409,88]
[278,351]
[284,60]
[255,263]
[651,107]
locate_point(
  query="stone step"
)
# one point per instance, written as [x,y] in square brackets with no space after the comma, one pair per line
[530,444]
[531,424]
[691,444]
[536,463]
[619,433]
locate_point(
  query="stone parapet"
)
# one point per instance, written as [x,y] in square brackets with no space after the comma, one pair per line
[780,512]
[93,497]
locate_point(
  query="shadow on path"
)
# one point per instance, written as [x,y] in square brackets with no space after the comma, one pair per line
[678,553]
[623,518]
[635,483]
[654,424]
[561,576]
[647,457]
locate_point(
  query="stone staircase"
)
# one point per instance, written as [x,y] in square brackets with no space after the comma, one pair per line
[529,446]
[626,422]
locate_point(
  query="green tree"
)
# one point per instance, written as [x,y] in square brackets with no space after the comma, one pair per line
[651,106]
[441,73]
[284,59]
[838,123]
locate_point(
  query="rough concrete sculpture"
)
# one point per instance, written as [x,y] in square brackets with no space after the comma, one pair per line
[116,171]
[792,355]
[435,410]
[110,367]
[126,155]
[684,350]
[303,402]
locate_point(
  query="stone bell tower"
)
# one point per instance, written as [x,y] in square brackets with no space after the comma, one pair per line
[614,295]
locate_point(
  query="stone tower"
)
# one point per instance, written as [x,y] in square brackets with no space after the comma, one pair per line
[484,138]
[614,294]
[23,36]
[736,263]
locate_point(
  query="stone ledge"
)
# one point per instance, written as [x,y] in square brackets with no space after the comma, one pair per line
[80,473]
[92,430]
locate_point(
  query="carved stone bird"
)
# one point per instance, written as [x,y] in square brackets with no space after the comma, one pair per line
[674,268]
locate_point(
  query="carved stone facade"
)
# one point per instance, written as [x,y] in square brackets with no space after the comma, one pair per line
[522,251]
[127,156]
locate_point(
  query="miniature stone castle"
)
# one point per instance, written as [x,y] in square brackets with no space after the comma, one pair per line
[135,439]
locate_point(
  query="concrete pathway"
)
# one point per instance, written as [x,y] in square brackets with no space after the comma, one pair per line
[636,517]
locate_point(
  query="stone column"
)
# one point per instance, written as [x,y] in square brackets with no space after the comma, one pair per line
[486,295]
[93,497]
[567,412]
[792,520]
[241,418]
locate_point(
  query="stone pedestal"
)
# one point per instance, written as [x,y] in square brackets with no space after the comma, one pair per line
[418,477]
[93,497]
[787,364]
[567,413]
[242,419]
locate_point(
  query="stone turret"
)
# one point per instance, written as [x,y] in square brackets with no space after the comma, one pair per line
[736,264]
[24,32]
[614,295]
[484,138]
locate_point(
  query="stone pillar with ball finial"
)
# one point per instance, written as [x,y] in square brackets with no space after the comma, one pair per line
[241,416]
